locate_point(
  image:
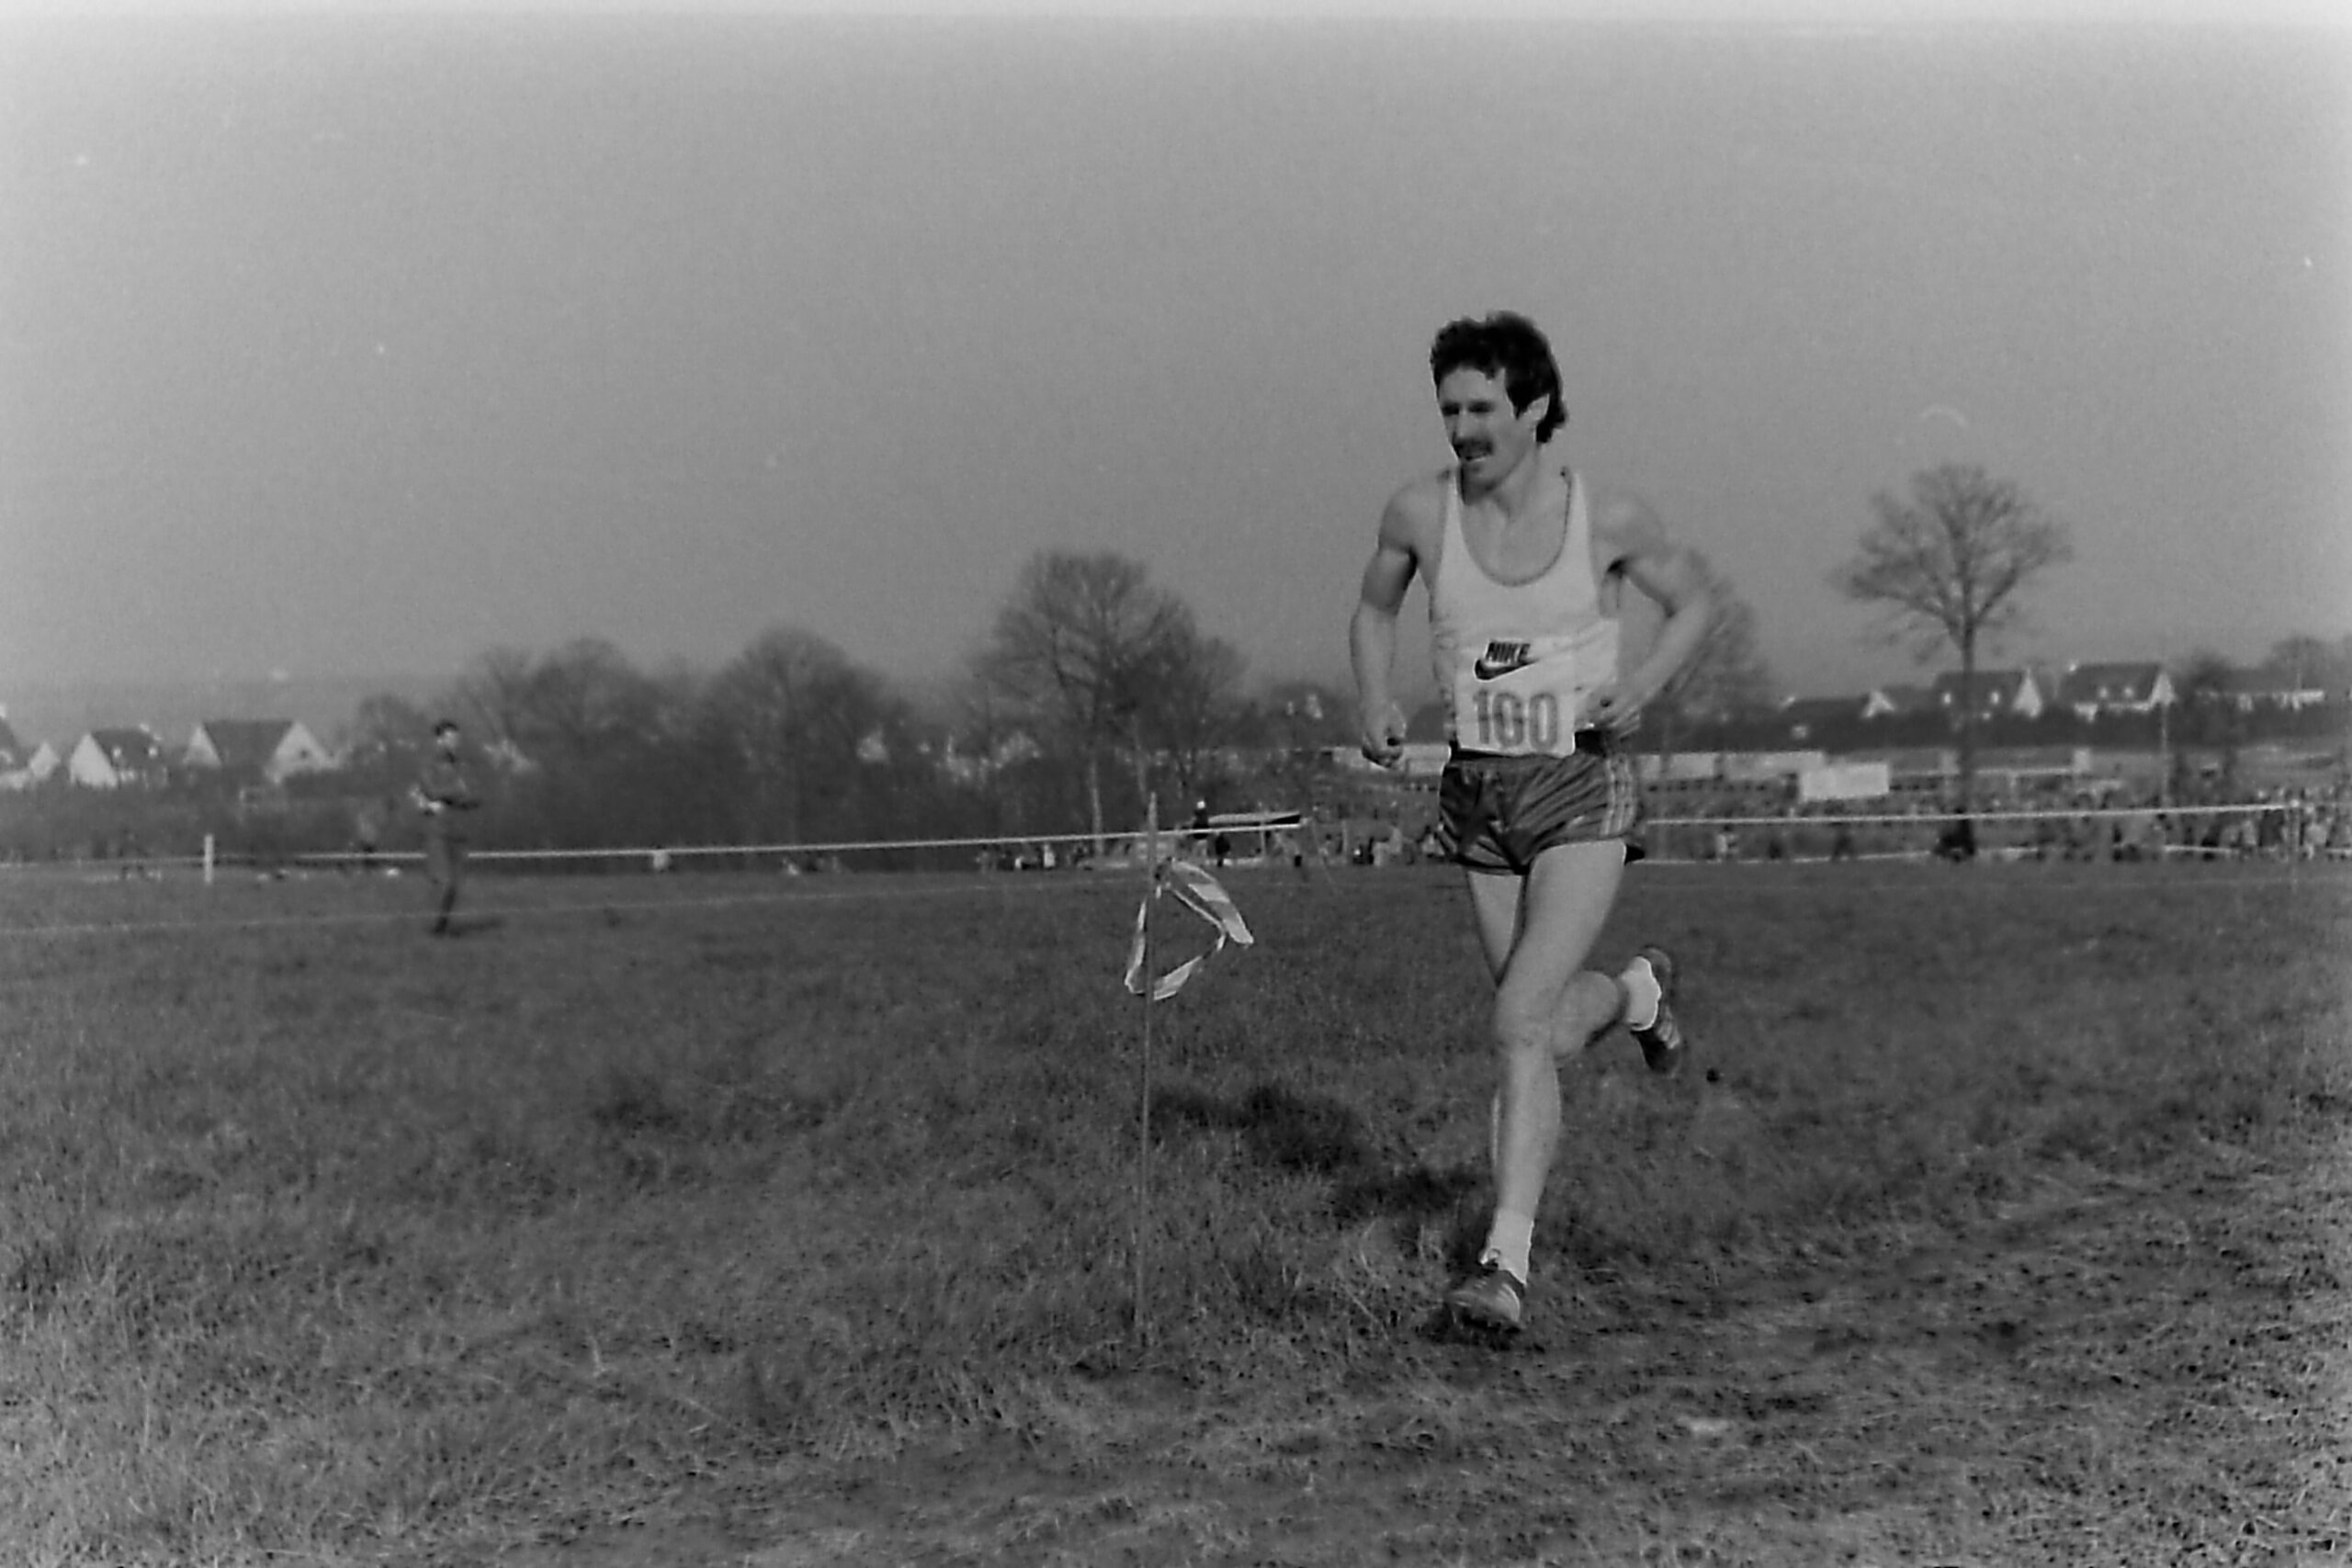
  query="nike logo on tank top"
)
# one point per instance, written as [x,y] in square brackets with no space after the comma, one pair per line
[1518,660]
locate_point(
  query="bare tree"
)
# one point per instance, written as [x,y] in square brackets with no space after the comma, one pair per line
[2308,660]
[493,695]
[1189,703]
[1074,650]
[988,740]
[585,703]
[799,716]
[2207,686]
[1946,567]
[386,738]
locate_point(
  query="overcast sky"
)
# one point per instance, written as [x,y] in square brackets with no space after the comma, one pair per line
[340,346]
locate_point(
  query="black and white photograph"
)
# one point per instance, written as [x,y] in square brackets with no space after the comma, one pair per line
[800,784]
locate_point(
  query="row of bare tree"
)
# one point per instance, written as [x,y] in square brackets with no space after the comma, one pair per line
[1095,688]
[1948,566]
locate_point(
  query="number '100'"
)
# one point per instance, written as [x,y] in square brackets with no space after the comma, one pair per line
[1507,721]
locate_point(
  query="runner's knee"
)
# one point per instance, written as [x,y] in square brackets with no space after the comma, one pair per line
[1561,1024]
[1591,1005]
[1550,1025]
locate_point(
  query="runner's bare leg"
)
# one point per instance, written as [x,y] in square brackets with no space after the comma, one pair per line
[1537,932]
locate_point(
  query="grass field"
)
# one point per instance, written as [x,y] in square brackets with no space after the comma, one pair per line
[732,1220]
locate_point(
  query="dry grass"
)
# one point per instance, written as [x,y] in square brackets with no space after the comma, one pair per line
[711,1220]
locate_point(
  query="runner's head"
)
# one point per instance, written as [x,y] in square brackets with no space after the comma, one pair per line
[1508,347]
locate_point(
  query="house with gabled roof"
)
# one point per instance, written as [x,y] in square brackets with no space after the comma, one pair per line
[2283,691]
[21,767]
[1999,694]
[269,749]
[112,759]
[1898,702]
[28,769]
[2092,689]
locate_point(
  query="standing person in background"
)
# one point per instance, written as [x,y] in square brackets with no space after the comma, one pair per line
[1526,565]
[443,795]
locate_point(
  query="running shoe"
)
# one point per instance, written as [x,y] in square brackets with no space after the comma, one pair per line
[1487,1297]
[1661,1043]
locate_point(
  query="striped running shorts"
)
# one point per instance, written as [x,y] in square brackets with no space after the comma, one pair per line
[1497,814]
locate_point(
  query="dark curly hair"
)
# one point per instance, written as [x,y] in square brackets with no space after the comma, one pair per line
[1508,345]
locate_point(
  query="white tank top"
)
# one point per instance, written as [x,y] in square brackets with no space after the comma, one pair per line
[1516,662]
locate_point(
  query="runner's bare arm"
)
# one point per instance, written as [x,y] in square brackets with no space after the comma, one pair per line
[1637,545]
[1372,632]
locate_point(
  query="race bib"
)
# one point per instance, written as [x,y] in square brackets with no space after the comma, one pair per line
[1519,698]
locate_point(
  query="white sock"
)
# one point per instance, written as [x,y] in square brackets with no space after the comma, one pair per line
[1508,1243]
[1641,993]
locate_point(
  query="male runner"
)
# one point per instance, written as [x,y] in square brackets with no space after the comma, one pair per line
[1525,564]
[440,793]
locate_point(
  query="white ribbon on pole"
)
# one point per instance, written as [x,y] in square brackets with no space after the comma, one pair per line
[1199,891]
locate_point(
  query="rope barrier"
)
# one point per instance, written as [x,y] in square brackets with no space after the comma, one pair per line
[865,890]
[787,850]
[1673,878]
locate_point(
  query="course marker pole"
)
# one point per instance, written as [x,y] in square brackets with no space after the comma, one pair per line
[1143,1074]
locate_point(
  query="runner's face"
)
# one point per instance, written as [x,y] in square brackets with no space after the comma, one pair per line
[1489,437]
